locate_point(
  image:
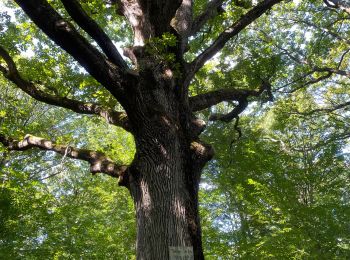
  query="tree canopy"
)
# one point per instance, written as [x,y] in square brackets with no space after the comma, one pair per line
[270,78]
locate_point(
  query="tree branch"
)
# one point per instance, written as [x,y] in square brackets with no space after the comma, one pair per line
[203,101]
[284,51]
[325,109]
[65,35]
[209,12]
[322,29]
[310,82]
[333,71]
[98,161]
[337,5]
[182,21]
[11,73]
[230,32]
[206,100]
[342,58]
[329,72]
[242,104]
[78,14]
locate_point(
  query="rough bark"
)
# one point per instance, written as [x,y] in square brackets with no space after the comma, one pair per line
[161,188]
[164,181]
[164,176]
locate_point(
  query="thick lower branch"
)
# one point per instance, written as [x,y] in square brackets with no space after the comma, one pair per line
[11,73]
[98,161]
[242,105]
[206,100]
[201,153]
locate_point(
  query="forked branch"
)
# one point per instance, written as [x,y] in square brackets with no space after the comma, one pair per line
[230,32]
[78,14]
[206,100]
[12,74]
[99,162]
[203,101]
[66,36]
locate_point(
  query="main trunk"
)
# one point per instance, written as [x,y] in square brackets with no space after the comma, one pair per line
[166,203]
[164,176]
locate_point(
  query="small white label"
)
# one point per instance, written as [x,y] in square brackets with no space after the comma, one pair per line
[181,253]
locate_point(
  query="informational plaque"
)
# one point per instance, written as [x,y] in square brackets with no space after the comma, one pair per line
[181,252]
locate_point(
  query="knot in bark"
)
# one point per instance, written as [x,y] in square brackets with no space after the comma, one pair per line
[202,151]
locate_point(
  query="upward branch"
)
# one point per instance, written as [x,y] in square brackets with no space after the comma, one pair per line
[98,161]
[182,22]
[230,32]
[209,12]
[94,30]
[12,74]
[66,36]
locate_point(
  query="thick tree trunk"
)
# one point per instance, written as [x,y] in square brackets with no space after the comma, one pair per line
[166,213]
[164,176]
[164,186]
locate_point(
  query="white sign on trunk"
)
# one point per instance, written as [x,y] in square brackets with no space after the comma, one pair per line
[181,253]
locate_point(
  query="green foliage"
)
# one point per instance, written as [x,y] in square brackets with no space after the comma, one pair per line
[161,48]
[64,218]
[51,207]
[279,194]
[282,191]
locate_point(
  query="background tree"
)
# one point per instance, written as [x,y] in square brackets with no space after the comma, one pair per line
[167,89]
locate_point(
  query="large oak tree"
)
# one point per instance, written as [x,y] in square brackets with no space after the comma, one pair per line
[151,84]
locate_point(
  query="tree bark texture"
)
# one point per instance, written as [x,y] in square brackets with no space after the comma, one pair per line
[163,178]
